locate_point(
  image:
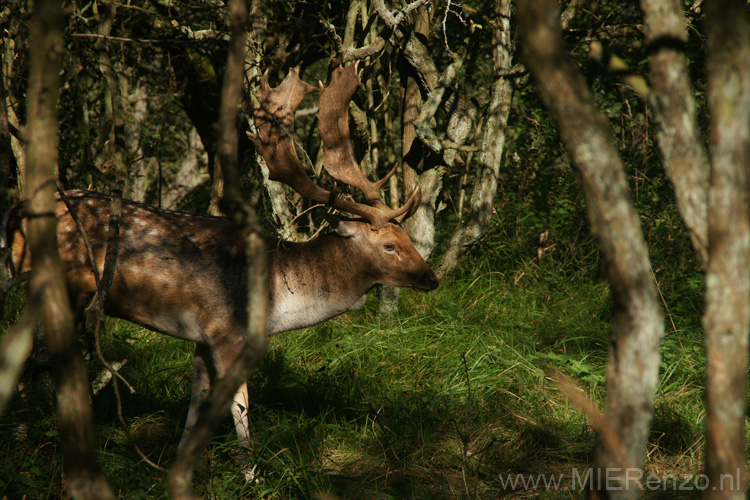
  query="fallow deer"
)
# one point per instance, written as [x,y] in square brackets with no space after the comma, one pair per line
[184,275]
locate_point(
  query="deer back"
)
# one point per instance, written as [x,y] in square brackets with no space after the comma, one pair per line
[173,270]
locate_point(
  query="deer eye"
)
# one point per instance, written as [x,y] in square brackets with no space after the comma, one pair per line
[389,247]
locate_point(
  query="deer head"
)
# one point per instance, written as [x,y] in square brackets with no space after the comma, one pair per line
[378,235]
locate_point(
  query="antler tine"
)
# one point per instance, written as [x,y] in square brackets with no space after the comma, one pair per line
[408,209]
[385,179]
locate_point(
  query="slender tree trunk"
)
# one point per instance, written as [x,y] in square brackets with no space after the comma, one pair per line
[112,136]
[217,187]
[421,225]
[141,169]
[492,146]
[16,343]
[678,135]
[633,366]
[84,478]
[7,165]
[181,473]
[11,49]
[278,195]
[727,317]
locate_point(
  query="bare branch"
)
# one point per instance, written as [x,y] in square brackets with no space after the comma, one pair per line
[387,16]
[430,107]
[14,350]
[378,43]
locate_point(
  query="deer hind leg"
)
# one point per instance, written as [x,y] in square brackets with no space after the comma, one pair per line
[204,374]
[207,364]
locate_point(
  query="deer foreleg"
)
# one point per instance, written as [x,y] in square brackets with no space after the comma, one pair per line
[224,354]
[239,414]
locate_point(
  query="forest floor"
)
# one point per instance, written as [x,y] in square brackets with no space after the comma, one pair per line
[452,398]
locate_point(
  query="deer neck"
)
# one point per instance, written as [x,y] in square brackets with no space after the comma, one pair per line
[314,281]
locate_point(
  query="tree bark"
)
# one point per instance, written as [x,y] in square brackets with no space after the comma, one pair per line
[727,316]
[84,478]
[678,134]
[278,195]
[15,349]
[191,174]
[11,58]
[141,169]
[637,328]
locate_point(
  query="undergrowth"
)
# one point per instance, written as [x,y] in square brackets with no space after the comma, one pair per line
[445,400]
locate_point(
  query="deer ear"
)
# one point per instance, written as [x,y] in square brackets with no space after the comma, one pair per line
[342,227]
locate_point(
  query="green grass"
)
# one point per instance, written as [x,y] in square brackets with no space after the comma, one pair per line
[436,403]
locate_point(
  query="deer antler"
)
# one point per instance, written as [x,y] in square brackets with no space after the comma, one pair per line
[275,121]
[338,152]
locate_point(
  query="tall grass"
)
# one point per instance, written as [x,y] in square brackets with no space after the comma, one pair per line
[441,401]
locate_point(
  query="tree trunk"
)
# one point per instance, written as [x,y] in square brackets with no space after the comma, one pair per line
[278,195]
[727,316]
[141,169]
[112,135]
[421,225]
[83,476]
[493,143]
[12,46]
[180,475]
[7,163]
[15,349]
[633,366]
[410,161]
[678,135]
